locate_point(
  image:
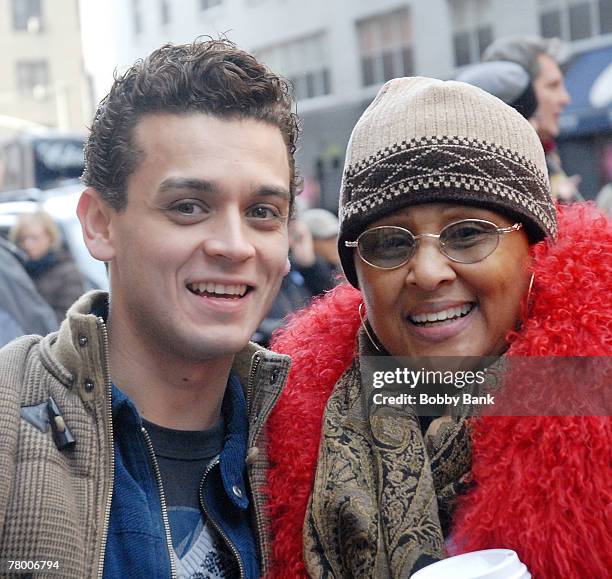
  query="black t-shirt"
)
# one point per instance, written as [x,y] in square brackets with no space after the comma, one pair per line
[183,457]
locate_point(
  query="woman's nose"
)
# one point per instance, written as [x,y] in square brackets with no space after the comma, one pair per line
[429,267]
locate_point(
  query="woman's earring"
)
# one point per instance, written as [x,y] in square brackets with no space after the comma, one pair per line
[365,326]
[528,301]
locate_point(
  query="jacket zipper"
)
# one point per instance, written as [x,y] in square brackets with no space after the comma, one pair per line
[214,523]
[111,438]
[256,505]
[162,498]
[250,382]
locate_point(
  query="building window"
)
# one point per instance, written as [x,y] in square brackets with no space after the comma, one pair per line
[303,62]
[580,22]
[472,27]
[27,15]
[550,24]
[32,78]
[605,16]
[164,12]
[136,16]
[206,4]
[575,19]
[385,47]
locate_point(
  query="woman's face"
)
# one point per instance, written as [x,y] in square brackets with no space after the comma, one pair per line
[480,300]
[34,240]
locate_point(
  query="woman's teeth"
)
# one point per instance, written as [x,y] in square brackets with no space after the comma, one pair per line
[218,289]
[444,315]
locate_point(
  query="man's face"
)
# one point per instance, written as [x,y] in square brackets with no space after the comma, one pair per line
[201,248]
[552,98]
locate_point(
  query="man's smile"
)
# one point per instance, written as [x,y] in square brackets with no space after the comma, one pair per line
[219,290]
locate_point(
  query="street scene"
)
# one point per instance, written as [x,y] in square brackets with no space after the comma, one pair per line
[228,228]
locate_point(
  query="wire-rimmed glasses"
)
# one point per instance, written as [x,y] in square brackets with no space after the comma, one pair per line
[465,241]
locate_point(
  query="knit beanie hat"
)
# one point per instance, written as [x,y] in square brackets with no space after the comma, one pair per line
[323,224]
[423,140]
[506,80]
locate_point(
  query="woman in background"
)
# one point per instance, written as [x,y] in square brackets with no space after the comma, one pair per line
[453,247]
[50,266]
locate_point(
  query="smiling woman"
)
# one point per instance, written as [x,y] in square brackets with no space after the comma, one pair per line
[453,246]
[460,296]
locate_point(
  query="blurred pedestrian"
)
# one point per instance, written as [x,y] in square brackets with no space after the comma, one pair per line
[50,266]
[506,80]
[22,309]
[308,276]
[541,58]
[324,226]
[604,199]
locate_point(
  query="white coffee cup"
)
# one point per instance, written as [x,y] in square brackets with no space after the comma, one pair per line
[489,564]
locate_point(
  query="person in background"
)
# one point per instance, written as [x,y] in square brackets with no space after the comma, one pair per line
[50,266]
[315,271]
[542,59]
[22,309]
[604,199]
[506,80]
[308,277]
[132,441]
[452,247]
[323,226]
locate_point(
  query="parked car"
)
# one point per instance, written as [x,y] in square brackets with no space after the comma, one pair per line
[61,204]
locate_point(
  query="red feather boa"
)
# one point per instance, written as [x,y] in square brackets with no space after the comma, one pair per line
[542,483]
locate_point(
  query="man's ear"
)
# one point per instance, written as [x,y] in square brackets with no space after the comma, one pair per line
[287,266]
[95,217]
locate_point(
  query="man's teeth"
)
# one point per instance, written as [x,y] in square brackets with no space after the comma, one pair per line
[218,288]
[448,314]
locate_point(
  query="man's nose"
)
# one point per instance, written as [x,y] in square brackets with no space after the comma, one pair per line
[429,268]
[228,237]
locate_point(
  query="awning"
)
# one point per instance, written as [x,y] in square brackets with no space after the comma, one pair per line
[589,83]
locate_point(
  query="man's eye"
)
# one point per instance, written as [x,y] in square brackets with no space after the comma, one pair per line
[187,208]
[264,212]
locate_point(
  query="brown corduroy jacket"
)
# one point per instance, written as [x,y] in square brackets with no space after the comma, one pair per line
[55,503]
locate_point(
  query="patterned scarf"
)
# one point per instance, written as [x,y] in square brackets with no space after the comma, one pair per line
[383,492]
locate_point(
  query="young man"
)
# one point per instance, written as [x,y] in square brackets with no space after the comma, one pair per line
[131,442]
[541,58]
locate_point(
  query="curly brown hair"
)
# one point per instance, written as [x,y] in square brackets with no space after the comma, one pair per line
[207,76]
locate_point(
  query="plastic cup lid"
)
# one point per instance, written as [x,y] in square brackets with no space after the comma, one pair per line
[489,564]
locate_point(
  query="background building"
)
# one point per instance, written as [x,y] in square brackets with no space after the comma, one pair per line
[42,79]
[339,52]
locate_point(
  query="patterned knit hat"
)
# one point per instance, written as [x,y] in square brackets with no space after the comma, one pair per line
[429,141]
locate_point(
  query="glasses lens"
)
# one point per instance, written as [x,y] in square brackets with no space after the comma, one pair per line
[469,241]
[386,247]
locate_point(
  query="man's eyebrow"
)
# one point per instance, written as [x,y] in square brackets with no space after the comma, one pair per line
[201,185]
[204,186]
[268,190]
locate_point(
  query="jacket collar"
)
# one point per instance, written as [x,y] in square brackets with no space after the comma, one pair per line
[77,355]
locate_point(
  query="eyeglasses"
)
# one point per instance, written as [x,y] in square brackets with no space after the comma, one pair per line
[465,241]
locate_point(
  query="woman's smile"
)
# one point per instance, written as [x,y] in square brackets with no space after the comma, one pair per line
[441,324]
